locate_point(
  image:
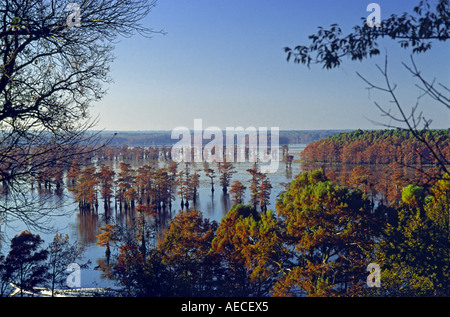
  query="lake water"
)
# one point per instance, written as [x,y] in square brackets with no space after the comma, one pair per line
[83,227]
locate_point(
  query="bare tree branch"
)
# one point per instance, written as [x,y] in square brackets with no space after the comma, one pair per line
[413,120]
[50,74]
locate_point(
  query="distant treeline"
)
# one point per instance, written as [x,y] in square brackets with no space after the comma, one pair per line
[379,147]
[152,138]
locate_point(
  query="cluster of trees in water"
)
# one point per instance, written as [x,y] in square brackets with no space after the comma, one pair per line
[156,187]
[124,177]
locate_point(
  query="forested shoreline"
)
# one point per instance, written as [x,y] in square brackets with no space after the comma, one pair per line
[378,147]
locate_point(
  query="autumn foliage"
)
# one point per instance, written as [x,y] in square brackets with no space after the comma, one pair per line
[327,226]
[318,241]
[378,147]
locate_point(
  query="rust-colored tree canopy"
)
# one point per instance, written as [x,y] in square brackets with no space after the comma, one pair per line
[379,147]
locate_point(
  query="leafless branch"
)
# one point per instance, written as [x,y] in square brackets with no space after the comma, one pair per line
[414,120]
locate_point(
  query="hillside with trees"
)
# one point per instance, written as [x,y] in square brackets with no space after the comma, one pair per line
[379,147]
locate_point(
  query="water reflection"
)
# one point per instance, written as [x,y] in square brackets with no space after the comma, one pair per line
[87,225]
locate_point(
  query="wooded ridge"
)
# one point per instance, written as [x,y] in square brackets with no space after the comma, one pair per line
[378,147]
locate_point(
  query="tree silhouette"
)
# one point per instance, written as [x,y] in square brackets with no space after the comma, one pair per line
[260,188]
[144,233]
[26,261]
[255,182]
[61,253]
[417,31]
[264,193]
[226,171]
[50,73]
[211,174]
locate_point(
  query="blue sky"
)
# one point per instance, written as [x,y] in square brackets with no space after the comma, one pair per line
[222,61]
